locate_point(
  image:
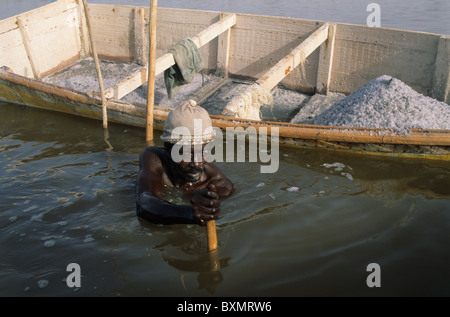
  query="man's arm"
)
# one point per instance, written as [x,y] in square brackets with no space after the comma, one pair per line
[155,210]
[223,186]
[149,195]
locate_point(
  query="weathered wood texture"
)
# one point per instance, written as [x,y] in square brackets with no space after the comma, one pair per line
[295,58]
[326,62]
[362,54]
[441,80]
[259,42]
[42,39]
[167,60]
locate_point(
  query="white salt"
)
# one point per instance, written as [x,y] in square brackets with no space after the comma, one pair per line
[315,106]
[387,103]
[82,77]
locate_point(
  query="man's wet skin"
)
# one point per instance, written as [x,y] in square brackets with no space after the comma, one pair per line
[203,181]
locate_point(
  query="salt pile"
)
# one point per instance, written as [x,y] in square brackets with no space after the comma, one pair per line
[387,103]
[316,105]
[82,76]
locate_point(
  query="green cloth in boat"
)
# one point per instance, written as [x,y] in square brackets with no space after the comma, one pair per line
[188,62]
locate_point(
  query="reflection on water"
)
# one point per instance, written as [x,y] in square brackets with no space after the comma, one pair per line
[67,195]
[187,254]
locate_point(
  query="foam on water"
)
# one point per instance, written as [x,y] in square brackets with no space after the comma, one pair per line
[339,167]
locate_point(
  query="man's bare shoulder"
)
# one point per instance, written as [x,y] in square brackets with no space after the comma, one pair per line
[153,157]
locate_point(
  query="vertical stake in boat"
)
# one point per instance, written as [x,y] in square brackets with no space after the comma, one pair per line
[97,65]
[151,70]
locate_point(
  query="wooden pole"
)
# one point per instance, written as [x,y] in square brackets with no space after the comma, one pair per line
[97,65]
[151,70]
[212,235]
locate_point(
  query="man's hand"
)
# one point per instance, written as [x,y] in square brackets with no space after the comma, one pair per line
[206,204]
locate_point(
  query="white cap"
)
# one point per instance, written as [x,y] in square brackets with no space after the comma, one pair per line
[186,116]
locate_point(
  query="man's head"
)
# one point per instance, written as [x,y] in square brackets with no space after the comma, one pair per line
[187,130]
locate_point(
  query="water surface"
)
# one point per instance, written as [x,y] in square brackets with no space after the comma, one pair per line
[310,229]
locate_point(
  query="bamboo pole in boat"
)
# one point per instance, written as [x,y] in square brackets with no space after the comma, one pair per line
[151,71]
[97,65]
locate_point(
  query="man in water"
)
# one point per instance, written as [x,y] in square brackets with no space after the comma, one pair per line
[204,182]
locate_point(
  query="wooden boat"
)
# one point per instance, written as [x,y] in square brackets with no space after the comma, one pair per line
[340,58]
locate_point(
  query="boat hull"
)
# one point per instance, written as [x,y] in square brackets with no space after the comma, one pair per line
[418,144]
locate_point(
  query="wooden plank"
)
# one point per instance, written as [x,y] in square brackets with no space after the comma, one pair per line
[14,38]
[53,33]
[326,62]
[297,56]
[203,93]
[362,54]
[259,42]
[214,30]
[12,50]
[113,25]
[164,62]
[223,52]
[140,40]
[84,36]
[50,10]
[28,49]
[441,76]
